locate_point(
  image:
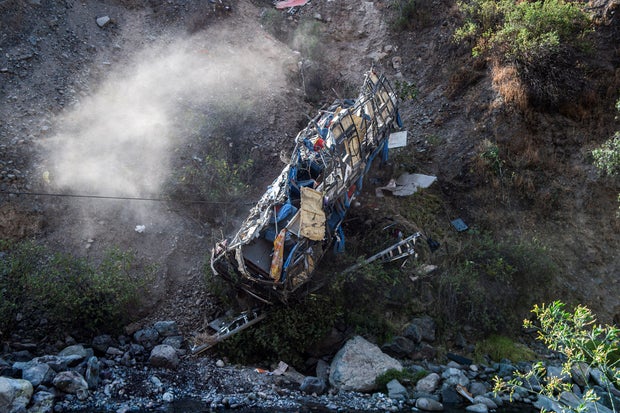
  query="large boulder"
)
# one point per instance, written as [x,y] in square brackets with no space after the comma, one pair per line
[358,363]
[15,394]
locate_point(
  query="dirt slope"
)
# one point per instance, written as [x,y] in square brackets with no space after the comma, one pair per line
[55,58]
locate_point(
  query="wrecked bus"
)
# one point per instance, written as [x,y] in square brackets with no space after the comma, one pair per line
[277,248]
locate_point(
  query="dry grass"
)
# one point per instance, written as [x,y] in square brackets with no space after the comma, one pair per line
[463,77]
[507,83]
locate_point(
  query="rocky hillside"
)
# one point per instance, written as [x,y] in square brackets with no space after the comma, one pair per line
[141,99]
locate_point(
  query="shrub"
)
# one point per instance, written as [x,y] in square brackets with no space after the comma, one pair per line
[285,334]
[583,344]
[607,156]
[499,347]
[491,281]
[538,38]
[67,291]
[411,14]
[403,376]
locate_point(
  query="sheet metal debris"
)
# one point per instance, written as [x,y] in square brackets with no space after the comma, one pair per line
[397,139]
[406,184]
[459,225]
[290,3]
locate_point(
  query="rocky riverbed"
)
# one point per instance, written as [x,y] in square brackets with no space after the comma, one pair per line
[153,368]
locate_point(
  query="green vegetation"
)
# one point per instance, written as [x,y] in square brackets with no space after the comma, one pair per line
[522,31]
[285,334]
[66,291]
[501,347]
[490,281]
[405,90]
[411,14]
[537,38]
[403,376]
[584,345]
[490,156]
[607,156]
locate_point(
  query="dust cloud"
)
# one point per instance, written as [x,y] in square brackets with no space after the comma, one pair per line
[120,140]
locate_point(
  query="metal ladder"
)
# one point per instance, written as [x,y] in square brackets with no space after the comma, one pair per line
[403,248]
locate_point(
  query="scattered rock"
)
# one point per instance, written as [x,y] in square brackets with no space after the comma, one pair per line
[42,402]
[148,337]
[477,408]
[166,328]
[428,384]
[313,385]
[92,373]
[70,382]
[396,390]
[430,405]
[38,373]
[164,356]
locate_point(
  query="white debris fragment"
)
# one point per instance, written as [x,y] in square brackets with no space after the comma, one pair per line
[140,228]
[397,139]
[103,20]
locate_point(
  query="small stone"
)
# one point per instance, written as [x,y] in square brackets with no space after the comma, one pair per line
[166,328]
[164,356]
[430,405]
[167,397]
[70,382]
[312,385]
[220,363]
[477,408]
[103,20]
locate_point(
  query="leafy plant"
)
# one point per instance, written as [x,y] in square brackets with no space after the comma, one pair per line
[538,38]
[607,156]
[411,14]
[584,345]
[69,291]
[482,266]
[403,376]
[499,347]
[490,155]
[405,90]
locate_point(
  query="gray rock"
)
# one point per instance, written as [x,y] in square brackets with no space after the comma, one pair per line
[166,328]
[313,385]
[580,373]
[599,377]
[396,390]
[70,382]
[174,341]
[428,384]
[102,342]
[477,408]
[477,388]
[164,356]
[573,401]
[547,404]
[77,350]
[555,372]
[38,373]
[147,337]
[167,397]
[42,402]
[399,347]
[426,328]
[92,372]
[412,332]
[15,394]
[357,364]
[505,369]
[486,401]
[449,395]
[103,20]
[322,370]
[429,405]
[423,351]
[452,377]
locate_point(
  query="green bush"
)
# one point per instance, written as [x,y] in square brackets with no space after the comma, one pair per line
[411,14]
[285,334]
[67,291]
[538,38]
[489,282]
[607,156]
[584,345]
[403,376]
[522,31]
[501,347]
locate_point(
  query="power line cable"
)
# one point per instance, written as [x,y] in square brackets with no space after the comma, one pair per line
[122,198]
